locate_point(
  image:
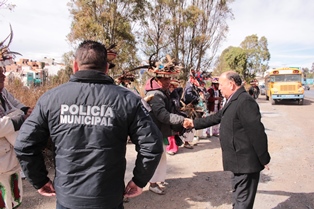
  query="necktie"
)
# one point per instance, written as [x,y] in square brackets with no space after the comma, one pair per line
[2,101]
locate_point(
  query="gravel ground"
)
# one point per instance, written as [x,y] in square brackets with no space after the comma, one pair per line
[196,180]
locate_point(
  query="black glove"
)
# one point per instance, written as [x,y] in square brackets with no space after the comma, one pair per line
[17,121]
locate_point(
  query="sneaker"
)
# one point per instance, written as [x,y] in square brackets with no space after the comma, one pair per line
[195,140]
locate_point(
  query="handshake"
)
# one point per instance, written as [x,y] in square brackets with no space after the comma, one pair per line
[188,123]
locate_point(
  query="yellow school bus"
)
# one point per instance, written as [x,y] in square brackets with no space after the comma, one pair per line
[284,84]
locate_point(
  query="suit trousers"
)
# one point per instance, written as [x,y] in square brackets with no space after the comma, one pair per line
[244,190]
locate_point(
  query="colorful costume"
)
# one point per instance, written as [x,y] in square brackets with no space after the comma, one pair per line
[161,105]
[10,179]
[214,104]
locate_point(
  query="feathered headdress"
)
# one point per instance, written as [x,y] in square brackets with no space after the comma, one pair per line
[125,76]
[160,69]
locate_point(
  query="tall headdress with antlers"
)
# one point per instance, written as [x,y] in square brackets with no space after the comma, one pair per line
[125,76]
[5,53]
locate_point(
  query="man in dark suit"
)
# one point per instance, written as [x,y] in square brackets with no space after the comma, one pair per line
[242,137]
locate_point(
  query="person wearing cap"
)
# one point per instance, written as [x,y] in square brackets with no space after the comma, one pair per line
[214,104]
[191,92]
[161,105]
[254,90]
[89,119]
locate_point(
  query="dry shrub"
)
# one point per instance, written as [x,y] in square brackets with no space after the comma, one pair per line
[27,95]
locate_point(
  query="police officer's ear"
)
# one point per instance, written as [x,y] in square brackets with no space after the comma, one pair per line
[107,68]
[75,66]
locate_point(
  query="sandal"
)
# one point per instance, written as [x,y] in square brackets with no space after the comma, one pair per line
[164,184]
[188,146]
[157,190]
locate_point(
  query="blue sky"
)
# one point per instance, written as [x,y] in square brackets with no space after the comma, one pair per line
[40,28]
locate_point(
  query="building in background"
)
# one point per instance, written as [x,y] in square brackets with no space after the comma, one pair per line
[32,72]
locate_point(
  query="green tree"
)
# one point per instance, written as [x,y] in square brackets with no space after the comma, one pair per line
[68,58]
[189,31]
[310,75]
[204,27]
[305,70]
[307,73]
[62,76]
[221,65]
[236,58]
[250,58]
[110,22]
[152,35]
[257,53]
[68,62]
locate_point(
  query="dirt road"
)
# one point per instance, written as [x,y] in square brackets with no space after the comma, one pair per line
[196,179]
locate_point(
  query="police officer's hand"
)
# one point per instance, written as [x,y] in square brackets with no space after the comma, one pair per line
[132,190]
[47,190]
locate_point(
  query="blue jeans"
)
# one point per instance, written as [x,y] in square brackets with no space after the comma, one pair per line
[58,206]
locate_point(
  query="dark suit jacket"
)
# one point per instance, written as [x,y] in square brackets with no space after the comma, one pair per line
[242,135]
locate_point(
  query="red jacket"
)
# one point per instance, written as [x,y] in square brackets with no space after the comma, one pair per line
[211,100]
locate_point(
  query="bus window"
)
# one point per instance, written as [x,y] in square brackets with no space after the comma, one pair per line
[272,79]
[279,78]
[293,78]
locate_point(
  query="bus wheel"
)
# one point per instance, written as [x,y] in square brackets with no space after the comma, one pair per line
[300,101]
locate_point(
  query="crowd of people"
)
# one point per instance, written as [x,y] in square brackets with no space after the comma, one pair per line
[91,118]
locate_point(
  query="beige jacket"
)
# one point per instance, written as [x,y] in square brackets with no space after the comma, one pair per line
[8,162]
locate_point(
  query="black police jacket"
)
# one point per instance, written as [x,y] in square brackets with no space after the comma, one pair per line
[89,119]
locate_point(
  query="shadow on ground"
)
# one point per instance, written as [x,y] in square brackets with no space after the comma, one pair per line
[295,200]
[203,190]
